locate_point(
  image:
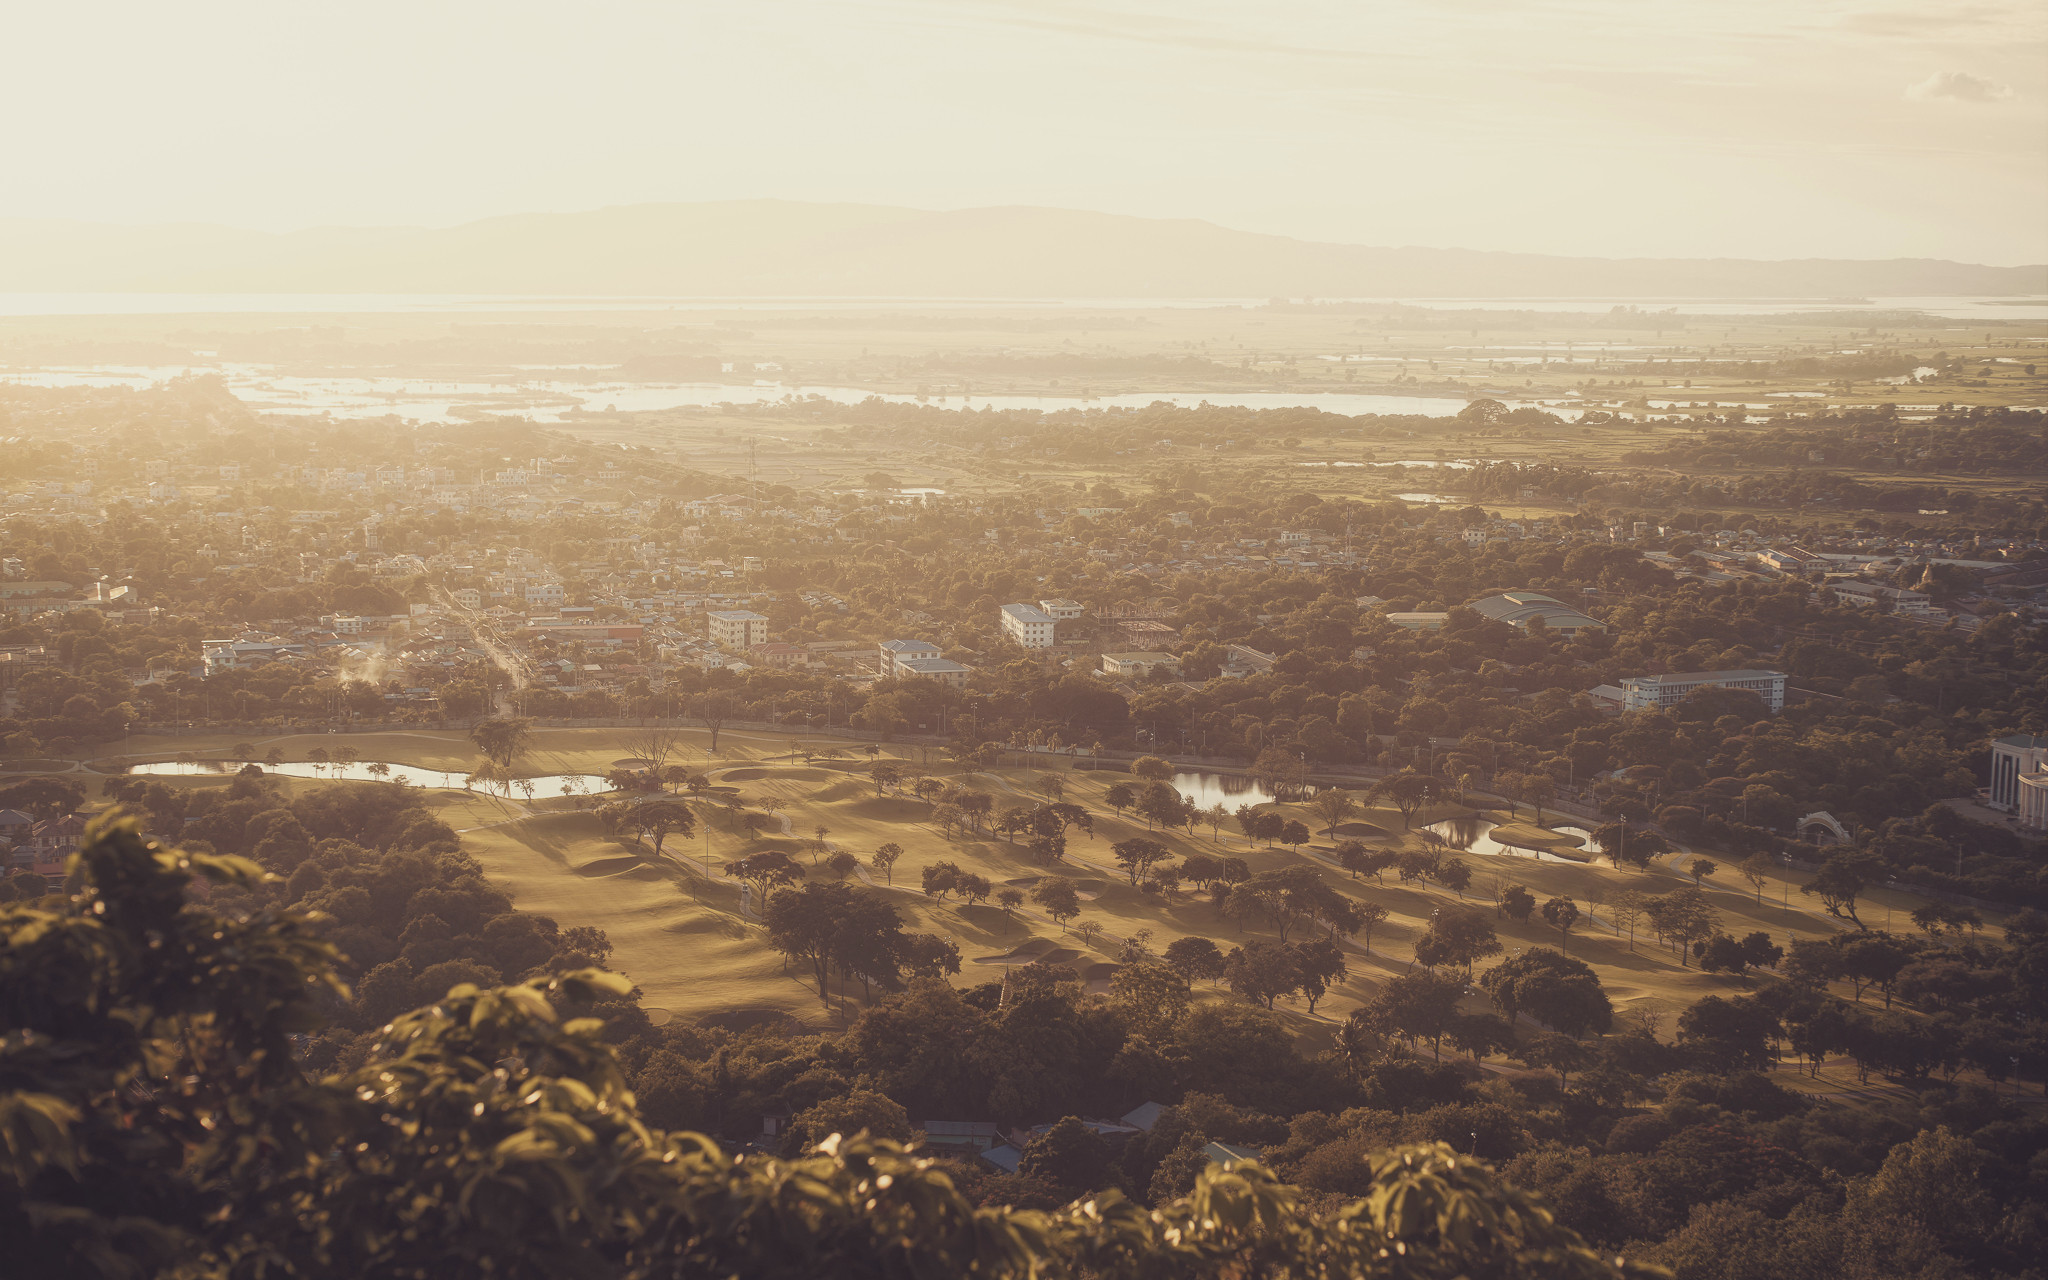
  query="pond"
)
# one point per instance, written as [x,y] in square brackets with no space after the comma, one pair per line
[1425,497]
[1475,835]
[1227,789]
[408,774]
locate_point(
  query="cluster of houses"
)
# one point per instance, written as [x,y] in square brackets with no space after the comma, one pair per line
[38,846]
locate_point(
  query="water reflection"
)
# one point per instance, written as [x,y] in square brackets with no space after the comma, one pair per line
[1475,835]
[1228,789]
[410,775]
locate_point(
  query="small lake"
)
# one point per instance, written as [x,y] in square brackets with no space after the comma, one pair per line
[1227,789]
[1475,835]
[1426,497]
[588,784]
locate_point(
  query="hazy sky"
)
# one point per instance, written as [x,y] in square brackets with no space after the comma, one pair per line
[1756,128]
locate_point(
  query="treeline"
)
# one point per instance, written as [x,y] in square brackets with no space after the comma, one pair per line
[157,1121]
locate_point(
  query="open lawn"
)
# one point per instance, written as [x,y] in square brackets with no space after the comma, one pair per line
[681,933]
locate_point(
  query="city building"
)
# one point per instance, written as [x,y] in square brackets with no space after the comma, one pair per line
[737,628]
[1641,693]
[1792,560]
[943,670]
[1851,591]
[1028,626]
[1430,621]
[889,652]
[2033,797]
[1061,610]
[1520,608]
[2013,758]
[1138,664]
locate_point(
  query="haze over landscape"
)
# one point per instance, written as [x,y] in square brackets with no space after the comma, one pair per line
[741,249]
[517,520]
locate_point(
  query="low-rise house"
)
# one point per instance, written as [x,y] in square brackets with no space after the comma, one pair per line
[1139,664]
[1641,693]
[944,670]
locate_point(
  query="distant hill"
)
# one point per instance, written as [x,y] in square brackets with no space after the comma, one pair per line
[769,248]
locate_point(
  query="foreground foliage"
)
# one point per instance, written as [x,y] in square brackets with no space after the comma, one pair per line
[154,1120]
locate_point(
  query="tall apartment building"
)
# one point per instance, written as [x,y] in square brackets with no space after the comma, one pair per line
[1028,626]
[737,628]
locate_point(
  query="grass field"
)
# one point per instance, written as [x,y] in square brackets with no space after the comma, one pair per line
[680,933]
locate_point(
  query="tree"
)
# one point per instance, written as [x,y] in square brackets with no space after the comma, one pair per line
[1263,971]
[1456,936]
[1420,1006]
[884,860]
[1628,846]
[1683,916]
[1370,914]
[502,740]
[1351,855]
[940,879]
[1138,855]
[1538,790]
[1480,1034]
[1009,900]
[1552,1051]
[1840,880]
[1069,1155]
[1455,875]
[653,744]
[885,774]
[1295,834]
[1194,958]
[1151,996]
[1152,769]
[43,798]
[1321,965]
[653,820]
[842,863]
[1627,911]
[1517,903]
[1756,869]
[1561,914]
[1119,797]
[1727,1035]
[715,710]
[1333,805]
[1409,791]
[804,923]
[1700,868]
[855,1112]
[764,871]
[1552,987]
[1059,897]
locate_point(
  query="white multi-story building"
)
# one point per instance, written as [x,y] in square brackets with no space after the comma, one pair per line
[1062,610]
[1641,693]
[1028,626]
[890,652]
[544,593]
[737,628]
[943,670]
[2012,760]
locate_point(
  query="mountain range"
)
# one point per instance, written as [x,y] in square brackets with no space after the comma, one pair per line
[772,248]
